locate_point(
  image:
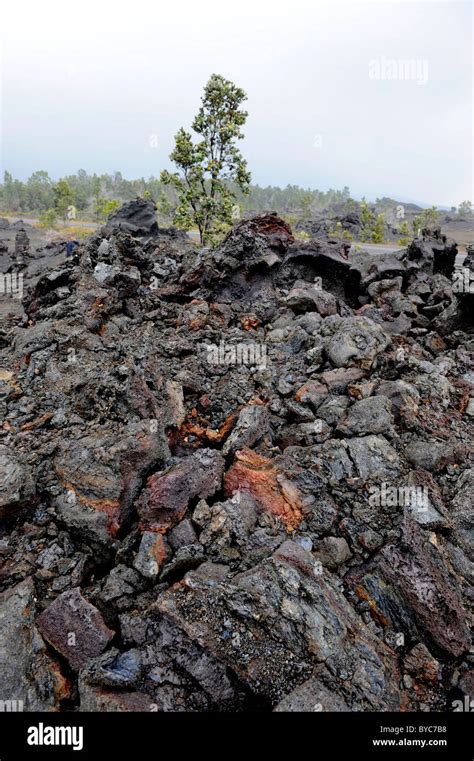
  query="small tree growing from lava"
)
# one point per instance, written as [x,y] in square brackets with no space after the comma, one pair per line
[208,167]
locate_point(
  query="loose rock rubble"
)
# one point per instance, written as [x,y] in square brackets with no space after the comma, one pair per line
[237,479]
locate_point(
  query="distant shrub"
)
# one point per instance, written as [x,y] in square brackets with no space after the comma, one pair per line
[378,230]
[48,220]
[428,218]
[404,232]
[366,221]
[465,208]
[104,207]
[337,231]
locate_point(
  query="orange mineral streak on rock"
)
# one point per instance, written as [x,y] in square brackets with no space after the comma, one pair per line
[62,685]
[110,507]
[272,492]
[38,422]
[311,391]
[204,433]
[249,321]
[374,611]
[159,550]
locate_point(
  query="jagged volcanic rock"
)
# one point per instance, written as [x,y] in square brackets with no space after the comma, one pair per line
[240,477]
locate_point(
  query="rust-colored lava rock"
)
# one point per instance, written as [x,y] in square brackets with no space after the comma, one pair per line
[273,493]
[236,478]
[167,494]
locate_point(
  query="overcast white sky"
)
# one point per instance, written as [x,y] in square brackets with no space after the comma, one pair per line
[90,84]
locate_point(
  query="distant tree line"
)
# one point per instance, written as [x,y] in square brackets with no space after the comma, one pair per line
[81,194]
[91,195]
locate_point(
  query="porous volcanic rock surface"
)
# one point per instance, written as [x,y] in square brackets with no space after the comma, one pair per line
[205,457]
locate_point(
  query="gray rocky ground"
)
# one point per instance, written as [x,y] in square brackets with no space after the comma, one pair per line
[236,479]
